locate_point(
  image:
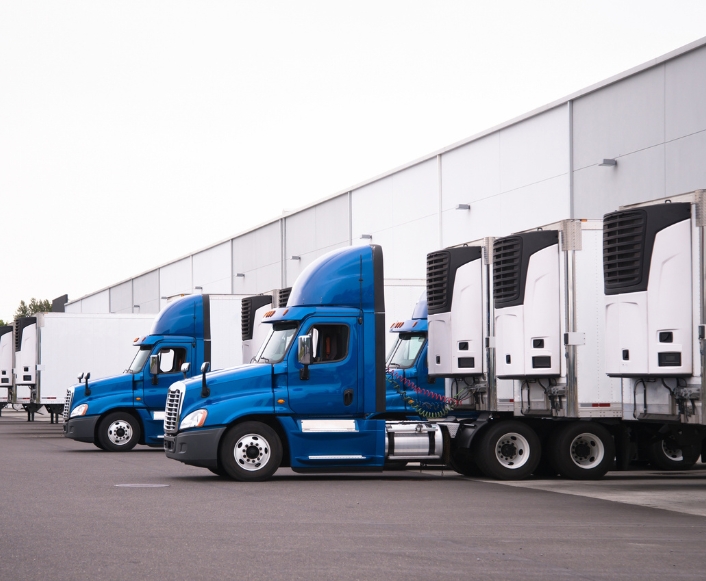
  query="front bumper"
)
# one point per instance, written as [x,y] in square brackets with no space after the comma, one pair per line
[196,448]
[81,429]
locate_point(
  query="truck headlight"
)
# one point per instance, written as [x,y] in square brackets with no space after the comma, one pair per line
[79,410]
[194,420]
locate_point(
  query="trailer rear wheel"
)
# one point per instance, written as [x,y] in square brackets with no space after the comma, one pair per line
[668,455]
[462,462]
[250,452]
[582,451]
[508,450]
[118,432]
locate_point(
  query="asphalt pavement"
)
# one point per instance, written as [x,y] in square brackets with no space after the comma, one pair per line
[71,511]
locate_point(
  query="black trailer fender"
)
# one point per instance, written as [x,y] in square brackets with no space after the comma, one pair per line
[467,431]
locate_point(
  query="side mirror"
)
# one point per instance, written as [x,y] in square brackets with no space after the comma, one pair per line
[304,355]
[205,366]
[304,350]
[80,377]
[185,369]
[154,368]
[86,377]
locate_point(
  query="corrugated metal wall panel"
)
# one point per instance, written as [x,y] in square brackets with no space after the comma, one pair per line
[212,269]
[121,298]
[96,304]
[145,290]
[534,150]
[256,249]
[685,90]
[174,279]
[637,177]
[470,173]
[620,119]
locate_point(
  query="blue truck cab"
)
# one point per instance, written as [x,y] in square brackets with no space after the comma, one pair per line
[410,391]
[116,413]
[313,397]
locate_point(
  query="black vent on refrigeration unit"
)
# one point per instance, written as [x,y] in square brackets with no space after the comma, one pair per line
[628,241]
[511,256]
[441,275]
[283,296]
[248,308]
[20,325]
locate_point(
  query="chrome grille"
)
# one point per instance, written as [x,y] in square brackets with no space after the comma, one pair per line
[67,403]
[172,409]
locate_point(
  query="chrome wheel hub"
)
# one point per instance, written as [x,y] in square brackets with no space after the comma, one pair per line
[512,450]
[120,432]
[672,452]
[252,452]
[587,451]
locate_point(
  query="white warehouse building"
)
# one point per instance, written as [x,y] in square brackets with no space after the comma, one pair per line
[542,167]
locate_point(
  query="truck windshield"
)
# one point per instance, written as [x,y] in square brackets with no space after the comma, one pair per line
[139,361]
[275,346]
[404,352]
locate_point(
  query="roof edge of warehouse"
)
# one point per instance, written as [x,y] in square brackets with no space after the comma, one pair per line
[534,112]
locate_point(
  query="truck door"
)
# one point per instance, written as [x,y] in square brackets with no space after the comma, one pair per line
[331,388]
[171,358]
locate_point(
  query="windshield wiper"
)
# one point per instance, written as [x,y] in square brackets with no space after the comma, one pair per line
[263,358]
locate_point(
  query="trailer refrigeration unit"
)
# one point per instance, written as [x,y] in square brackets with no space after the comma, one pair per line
[654,264]
[7,358]
[50,349]
[461,326]
[538,315]
[253,310]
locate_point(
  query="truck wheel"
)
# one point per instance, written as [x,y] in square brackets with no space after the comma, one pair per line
[582,451]
[219,472]
[118,432]
[668,455]
[508,451]
[251,452]
[462,462]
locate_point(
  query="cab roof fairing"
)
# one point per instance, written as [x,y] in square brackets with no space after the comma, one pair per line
[345,277]
[181,317]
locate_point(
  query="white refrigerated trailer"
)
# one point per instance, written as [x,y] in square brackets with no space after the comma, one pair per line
[7,358]
[520,323]
[51,349]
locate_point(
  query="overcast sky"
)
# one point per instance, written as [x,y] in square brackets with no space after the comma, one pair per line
[132,133]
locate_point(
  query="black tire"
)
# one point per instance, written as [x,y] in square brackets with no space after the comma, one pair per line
[118,432]
[219,472]
[462,462]
[582,451]
[97,444]
[250,452]
[668,455]
[508,450]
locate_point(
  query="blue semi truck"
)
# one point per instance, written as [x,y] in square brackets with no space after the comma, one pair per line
[313,398]
[411,392]
[116,413]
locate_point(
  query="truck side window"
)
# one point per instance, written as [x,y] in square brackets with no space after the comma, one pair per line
[331,343]
[171,359]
